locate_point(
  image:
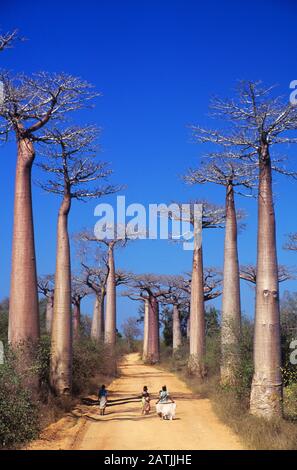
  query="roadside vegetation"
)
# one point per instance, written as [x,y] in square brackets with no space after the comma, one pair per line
[231,403]
[24,413]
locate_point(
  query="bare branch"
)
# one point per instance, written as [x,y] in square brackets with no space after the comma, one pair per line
[249,273]
[69,156]
[7,40]
[31,101]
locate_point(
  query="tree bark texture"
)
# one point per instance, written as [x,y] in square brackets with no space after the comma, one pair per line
[97,328]
[61,344]
[196,363]
[23,304]
[176,329]
[145,330]
[153,331]
[266,392]
[110,318]
[231,311]
[49,313]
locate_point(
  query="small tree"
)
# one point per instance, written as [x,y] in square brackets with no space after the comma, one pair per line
[74,172]
[131,331]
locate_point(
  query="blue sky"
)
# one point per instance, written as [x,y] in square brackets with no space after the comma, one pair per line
[157,63]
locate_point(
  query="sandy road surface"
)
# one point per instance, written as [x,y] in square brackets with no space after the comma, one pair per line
[123,428]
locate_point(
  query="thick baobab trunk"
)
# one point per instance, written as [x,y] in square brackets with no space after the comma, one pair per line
[231,314]
[110,318]
[153,355]
[176,330]
[97,329]
[23,304]
[145,330]
[196,363]
[61,345]
[76,319]
[49,313]
[266,392]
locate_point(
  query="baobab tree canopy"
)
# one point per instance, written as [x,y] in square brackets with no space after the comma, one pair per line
[31,101]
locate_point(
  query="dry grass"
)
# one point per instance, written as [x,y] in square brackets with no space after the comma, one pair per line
[232,409]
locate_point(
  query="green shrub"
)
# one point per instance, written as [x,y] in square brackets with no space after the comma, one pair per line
[89,359]
[18,412]
[290,401]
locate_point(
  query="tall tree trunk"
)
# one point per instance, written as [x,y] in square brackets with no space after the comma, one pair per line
[61,345]
[188,327]
[266,392]
[196,363]
[153,331]
[145,330]
[110,319]
[23,304]
[176,330]
[231,314]
[97,329]
[49,313]
[76,319]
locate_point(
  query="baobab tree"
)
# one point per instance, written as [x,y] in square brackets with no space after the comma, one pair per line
[212,216]
[212,282]
[70,160]
[95,278]
[258,120]
[179,298]
[29,104]
[149,288]
[94,272]
[234,176]
[78,292]
[120,237]
[46,287]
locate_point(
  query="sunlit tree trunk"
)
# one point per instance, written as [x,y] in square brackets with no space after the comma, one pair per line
[97,329]
[231,315]
[76,319]
[61,345]
[49,313]
[145,330]
[196,363]
[23,304]
[153,331]
[110,318]
[176,330]
[266,393]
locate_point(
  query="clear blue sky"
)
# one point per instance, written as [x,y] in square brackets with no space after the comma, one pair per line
[156,63]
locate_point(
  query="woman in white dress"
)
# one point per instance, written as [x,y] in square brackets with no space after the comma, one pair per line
[165,405]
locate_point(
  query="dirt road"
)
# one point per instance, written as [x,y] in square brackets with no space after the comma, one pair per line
[123,428]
